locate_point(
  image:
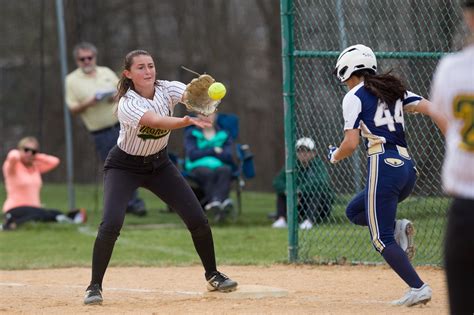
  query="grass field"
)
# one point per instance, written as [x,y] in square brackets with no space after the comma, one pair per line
[160,238]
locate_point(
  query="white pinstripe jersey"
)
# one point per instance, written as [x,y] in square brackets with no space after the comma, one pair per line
[452,93]
[136,139]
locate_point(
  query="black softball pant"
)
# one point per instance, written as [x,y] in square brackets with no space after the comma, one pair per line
[20,215]
[123,174]
[459,256]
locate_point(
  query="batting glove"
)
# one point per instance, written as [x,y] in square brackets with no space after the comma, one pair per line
[331,153]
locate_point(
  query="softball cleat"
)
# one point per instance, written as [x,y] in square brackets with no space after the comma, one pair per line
[415,296]
[405,237]
[93,295]
[220,282]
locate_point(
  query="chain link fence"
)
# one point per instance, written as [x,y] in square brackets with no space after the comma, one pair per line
[408,37]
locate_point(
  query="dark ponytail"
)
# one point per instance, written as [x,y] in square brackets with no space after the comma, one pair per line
[122,87]
[386,87]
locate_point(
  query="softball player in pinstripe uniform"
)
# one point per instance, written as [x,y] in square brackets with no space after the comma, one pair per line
[452,93]
[374,107]
[140,159]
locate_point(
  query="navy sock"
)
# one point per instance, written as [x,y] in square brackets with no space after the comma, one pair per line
[398,260]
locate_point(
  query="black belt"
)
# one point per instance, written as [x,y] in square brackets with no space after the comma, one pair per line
[96,132]
[145,159]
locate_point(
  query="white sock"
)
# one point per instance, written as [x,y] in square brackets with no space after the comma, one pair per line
[61,218]
[78,218]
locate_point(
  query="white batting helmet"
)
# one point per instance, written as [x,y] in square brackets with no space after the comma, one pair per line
[353,58]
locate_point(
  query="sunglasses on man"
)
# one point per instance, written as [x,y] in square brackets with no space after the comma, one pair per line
[88,58]
[30,150]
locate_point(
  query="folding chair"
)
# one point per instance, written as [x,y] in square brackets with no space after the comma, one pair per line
[245,168]
[242,170]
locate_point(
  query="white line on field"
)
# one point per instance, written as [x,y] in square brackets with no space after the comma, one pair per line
[15,284]
[312,298]
[12,284]
[358,301]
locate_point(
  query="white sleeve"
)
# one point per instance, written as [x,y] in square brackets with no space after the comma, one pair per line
[130,111]
[175,91]
[410,101]
[351,108]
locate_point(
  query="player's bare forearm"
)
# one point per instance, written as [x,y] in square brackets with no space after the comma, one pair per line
[426,107]
[344,151]
[152,120]
[348,145]
[440,120]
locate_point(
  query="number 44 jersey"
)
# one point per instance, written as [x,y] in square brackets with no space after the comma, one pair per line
[379,122]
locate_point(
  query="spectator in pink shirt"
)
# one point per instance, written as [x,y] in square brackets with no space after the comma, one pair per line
[22,171]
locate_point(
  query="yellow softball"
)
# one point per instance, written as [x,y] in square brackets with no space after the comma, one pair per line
[216,91]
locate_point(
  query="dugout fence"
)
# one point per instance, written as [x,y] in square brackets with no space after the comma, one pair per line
[408,37]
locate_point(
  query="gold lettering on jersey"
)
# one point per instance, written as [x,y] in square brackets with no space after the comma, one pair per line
[151,133]
[463,109]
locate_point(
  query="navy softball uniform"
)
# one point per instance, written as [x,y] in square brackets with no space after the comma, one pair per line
[391,173]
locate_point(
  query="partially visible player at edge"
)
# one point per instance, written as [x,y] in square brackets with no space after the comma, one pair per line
[374,107]
[452,93]
[140,159]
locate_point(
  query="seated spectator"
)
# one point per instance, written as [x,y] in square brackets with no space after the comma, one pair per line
[22,171]
[315,195]
[210,162]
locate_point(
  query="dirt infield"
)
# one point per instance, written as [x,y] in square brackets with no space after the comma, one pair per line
[181,290]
